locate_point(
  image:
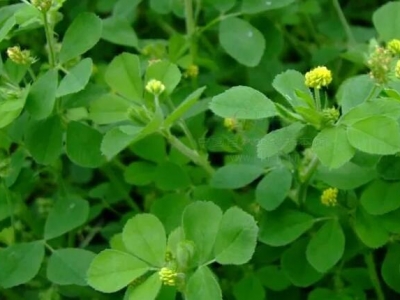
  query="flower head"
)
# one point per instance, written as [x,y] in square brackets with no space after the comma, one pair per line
[20,57]
[230,123]
[168,276]
[379,64]
[331,115]
[42,5]
[329,197]
[318,77]
[394,46]
[155,87]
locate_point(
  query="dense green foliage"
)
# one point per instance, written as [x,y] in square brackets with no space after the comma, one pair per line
[199,149]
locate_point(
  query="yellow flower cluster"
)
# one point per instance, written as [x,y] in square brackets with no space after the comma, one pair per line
[379,63]
[42,5]
[155,87]
[329,197]
[394,46]
[318,77]
[20,57]
[168,276]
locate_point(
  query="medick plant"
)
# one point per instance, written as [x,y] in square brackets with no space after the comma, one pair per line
[141,158]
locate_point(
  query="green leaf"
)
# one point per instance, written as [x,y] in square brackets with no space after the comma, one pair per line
[380,107]
[200,223]
[152,148]
[389,167]
[169,209]
[242,102]
[370,229]
[236,239]
[390,267]
[347,177]
[249,287]
[273,278]
[147,290]
[69,266]
[10,109]
[257,6]
[120,137]
[287,83]
[6,27]
[235,176]
[44,140]
[381,197]
[118,31]
[109,109]
[170,176]
[83,145]
[20,263]
[281,227]
[161,6]
[332,147]
[375,135]
[166,72]
[76,79]
[203,285]
[296,266]
[82,35]
[242,41]
[326,247]
[385,21]
[145,237]
[279,141]
[112,270]
[183,107]
[123,75]
[354,91]
[67,214]
[222,5]
[140,173]
[272,190]
[42,95]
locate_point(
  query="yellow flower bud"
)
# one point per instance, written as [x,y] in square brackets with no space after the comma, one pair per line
[155,87]
[42,5]
[20,57]
[230,123]
[379,63]
[318,77]
[329,197]
[192,71]
[394,46]
[168,276]
[331,115]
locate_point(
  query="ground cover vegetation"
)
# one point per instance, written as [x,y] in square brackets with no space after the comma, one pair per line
[199,149]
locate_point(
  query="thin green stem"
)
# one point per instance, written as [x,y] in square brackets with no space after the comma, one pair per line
[318,104]
[372,93]
[345,24]
[31,73]
[217,20]
[190,153]
[190,27]
[305,179]
[373,275]
[49,37]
